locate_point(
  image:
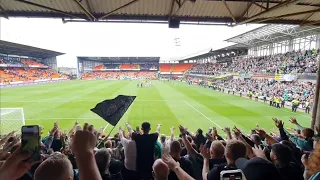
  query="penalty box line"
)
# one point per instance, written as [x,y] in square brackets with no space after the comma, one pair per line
[203,114]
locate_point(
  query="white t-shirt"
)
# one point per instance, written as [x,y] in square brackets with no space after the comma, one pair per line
[166,146]
[130,153]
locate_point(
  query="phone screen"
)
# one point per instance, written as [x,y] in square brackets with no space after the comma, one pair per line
[231,175]
[31,141]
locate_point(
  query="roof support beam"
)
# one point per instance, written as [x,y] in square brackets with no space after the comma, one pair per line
[255,3]
[246,10]
[115,10]
[281,5]
[230,13]
[171,8]
[310,23]
[4,12]
[85,11]
[48,8]
[90,8]
[307,17]
[287,15]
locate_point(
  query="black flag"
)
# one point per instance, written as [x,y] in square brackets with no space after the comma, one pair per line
[112,110]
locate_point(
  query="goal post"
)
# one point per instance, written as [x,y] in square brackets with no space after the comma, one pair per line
[11,119]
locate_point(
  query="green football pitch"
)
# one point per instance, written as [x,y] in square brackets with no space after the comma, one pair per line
[166,103]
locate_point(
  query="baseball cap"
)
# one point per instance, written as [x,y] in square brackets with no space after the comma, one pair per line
[258,169]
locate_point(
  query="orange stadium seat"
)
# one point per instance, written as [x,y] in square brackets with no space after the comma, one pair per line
[97,68]
[165,67]
[181,67]
[129,66]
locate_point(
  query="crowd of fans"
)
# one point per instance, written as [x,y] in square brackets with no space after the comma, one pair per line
[8,75]
[290,62]
[85,153]
[119,75]
[303,91]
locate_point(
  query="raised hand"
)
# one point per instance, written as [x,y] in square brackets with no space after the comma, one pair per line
[280,124]
[293,120]
[259,152]
[226,130]
[53,130]
[236,131]
[172,129]
[16,165]
[261,132]
[83,142]
[214,131]
[204,152]
[172,164]
[182,129]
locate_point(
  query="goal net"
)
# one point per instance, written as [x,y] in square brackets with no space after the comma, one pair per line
[11,119]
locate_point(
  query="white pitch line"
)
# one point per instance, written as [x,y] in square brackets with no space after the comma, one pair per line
[203,114]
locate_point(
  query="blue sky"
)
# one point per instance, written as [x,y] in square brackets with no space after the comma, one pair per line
[116,39]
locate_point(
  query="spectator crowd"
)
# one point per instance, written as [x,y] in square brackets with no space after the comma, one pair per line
[86,153]
[302,91]
[287,63]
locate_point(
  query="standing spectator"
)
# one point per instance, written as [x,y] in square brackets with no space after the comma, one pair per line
[281,155]
[145,143]
[185,164]
[234,150]
[130,154]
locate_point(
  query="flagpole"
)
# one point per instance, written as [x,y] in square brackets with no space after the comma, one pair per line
[105,127]
[111,131]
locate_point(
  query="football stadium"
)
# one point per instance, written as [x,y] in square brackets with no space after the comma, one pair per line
[247,110]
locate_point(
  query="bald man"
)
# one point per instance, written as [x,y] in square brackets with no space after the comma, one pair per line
[160,170]
[55,167]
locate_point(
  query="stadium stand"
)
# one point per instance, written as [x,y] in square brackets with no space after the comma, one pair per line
[165,67]
[129,67]
[181,67]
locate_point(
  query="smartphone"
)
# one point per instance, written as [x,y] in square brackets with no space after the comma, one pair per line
[137,129]
[31,141]
[231,175]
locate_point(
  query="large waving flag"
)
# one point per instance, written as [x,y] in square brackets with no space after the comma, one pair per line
[112,110]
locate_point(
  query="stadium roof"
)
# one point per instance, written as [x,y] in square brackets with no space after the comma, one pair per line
[233,12]
[11,48]
[273,33]
[228,49]
[120,59]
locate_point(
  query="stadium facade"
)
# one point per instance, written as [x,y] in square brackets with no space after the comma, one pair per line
[117,64]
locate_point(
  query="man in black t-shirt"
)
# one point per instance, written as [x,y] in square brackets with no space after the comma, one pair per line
[234,150]
[145,144]
[282,156]
[185,163]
